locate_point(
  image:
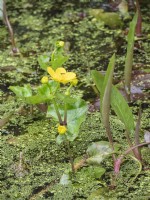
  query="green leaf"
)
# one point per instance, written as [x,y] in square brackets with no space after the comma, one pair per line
[37,99]
[22,91]
[106,91]
[44,61]
[129,56]
[60,139]
[97,171]
[58,58]
[65,98]
[44,93]
[101,194]
[76,114]
[98,151]
[118,103]
[109,73]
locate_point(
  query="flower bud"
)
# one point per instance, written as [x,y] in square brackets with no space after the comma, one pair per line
[62,129]
[44,80]
[61,43]
[74,82]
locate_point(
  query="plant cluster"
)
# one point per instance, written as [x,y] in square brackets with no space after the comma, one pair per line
[70,111]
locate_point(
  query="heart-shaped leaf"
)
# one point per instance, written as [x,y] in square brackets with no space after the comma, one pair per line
[76,114]
[44,61]
[25,91]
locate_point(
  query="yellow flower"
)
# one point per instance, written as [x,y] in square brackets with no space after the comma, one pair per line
[62,129]
[61,75]
[44,79]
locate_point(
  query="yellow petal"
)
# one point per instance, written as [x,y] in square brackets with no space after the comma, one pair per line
[69,76]
[51,71]
[60,70]
[57,77]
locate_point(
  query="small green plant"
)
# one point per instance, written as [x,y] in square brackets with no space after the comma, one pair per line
[55,91]
[110,95]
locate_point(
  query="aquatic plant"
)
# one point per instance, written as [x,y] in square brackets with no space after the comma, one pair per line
[110,95]
[55,91]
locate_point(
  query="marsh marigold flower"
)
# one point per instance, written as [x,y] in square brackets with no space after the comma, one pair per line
[44,79]
[62,129]
[61,75]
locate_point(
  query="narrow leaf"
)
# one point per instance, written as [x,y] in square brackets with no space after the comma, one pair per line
[129,56]
[118,103]
[106,91]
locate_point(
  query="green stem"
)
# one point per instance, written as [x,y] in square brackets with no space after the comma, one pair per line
[70,157]
[65,114]
[139,145]
[135,151]
[140,169]
[109,135]
[57,112]
[137,130]
[7,22]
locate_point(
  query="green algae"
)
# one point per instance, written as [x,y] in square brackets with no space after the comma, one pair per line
[90,44]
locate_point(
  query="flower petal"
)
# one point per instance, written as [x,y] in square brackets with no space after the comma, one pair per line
[61,70]
[51,71]
[69,76]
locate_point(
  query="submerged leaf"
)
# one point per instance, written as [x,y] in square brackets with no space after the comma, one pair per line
[65,179]
[98,151]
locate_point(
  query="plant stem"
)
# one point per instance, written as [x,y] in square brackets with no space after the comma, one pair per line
[109,135]
[139,145]
[71,157]
[139,20]
[137,130]
[65,114]
[135,151]
[7,22]
[58,113]
[119,160]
